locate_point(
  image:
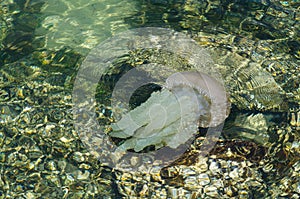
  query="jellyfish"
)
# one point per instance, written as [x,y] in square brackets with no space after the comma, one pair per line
[171,116]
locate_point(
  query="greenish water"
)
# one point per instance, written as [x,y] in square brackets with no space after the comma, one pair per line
[83,24]
[43,44]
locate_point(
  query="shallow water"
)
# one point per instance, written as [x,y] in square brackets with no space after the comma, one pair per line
[81,24]
[44,43]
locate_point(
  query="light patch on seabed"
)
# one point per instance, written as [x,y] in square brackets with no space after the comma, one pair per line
[82,24]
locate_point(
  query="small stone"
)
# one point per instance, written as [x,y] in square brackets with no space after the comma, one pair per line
[191,183]
[2,157]
[19,188]
[144,191]
[211,191]
[30,195]
[243,194]
[53,179]
[234,174]
[49,127]
[65,140]
[172,192]
[51,166]
[214,167]
[203,179]
[155,174]
[78,157]
[228,191]
[188,172]
[69,180]
[31,166]
[84,166]
[20,93]
[83,176]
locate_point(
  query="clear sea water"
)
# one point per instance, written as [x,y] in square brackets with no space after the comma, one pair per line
[44,42]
